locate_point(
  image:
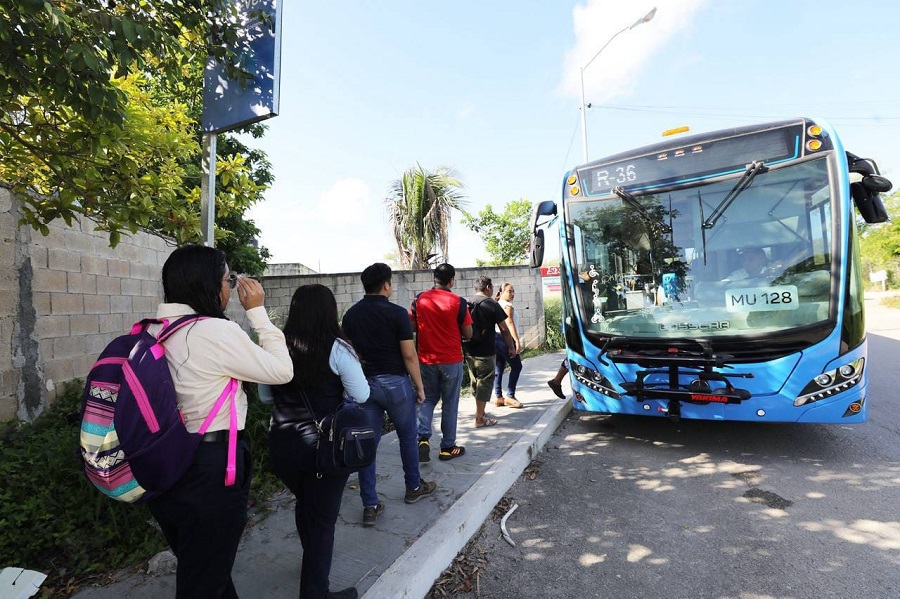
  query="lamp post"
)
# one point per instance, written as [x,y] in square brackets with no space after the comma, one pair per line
[584,106]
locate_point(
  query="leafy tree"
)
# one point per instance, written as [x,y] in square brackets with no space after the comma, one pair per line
[420,206]
[99,111]
[66,52]
[506,235]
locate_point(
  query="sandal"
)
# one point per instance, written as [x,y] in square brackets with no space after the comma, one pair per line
[486,421]
[512,402]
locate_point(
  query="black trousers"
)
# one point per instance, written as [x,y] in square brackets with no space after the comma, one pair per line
[293,459]
[203,521]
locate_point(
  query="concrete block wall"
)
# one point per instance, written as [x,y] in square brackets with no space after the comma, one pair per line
[407,284]
[64,297]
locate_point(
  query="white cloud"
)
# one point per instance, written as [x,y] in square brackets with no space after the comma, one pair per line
[612,74]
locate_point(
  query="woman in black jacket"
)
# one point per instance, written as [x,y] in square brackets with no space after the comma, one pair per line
[326,370]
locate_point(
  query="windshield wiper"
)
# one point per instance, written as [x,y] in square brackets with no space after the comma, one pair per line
[636,205]
[753,169]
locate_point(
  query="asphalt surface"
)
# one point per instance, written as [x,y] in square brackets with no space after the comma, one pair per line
[410,545]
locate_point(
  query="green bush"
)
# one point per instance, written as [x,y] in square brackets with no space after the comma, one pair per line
[54,521]
[553,323]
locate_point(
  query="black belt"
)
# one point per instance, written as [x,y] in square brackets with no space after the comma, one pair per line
[219,436]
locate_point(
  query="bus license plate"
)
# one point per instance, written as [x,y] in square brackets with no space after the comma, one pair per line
[762,299]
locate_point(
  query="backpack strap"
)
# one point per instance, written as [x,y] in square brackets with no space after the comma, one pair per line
[463,307]
[168,329]
[228,393]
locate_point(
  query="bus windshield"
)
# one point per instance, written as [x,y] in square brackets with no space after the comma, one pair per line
[745,254]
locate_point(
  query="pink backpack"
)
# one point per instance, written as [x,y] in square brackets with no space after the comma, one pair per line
[133,440]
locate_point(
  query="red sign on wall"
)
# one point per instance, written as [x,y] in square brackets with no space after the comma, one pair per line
[549,271]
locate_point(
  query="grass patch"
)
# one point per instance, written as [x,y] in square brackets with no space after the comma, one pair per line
[892,302]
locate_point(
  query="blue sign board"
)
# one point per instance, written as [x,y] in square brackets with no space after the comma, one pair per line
[227,104]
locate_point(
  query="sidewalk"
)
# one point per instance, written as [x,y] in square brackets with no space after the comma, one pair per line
[411,544]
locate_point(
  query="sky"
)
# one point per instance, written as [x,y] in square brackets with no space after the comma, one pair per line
[492,89]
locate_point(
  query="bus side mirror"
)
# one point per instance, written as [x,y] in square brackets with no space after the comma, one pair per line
[537,248]
[868,203]
[545,208]
[865,192]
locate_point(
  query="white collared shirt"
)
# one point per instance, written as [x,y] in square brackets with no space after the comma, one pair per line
[203,356]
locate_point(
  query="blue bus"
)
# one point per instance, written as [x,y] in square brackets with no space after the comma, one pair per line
[717,276]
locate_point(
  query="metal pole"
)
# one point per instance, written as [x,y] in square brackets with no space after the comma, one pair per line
[208,190]
[640,21]
[583,121]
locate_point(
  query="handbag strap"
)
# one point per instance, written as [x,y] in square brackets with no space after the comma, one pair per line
[317,422]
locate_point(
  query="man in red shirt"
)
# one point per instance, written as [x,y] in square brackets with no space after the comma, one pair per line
[441,320]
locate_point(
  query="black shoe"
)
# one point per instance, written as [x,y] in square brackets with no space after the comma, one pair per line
[451,452]
[557,388]
[425,488]
[424,451]
[348,593]
[370,514]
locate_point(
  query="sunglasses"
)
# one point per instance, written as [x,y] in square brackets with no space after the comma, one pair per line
[232,280]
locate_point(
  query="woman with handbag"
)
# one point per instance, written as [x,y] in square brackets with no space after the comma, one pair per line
[326,370]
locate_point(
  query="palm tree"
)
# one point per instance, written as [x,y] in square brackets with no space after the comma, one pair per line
[419,207]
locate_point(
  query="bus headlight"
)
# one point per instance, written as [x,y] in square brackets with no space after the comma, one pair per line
[832,382]
[594,380]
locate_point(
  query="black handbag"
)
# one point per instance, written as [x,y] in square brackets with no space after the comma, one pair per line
[347,441]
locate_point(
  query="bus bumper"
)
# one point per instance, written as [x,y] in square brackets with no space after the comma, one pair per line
[769,408]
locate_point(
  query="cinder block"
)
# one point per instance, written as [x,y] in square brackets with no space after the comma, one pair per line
[96,304]
[118,268]
[94,265]
[58,371]
[75,241]
[48,327]
[81,283]
[112,323]
[62,259]
[8,259]
[66,303]
[84,324]
[49,280]
[119,304]
[144,305]
[152,288]
[109,285]
[81,365]
[41,303]
[5,199]
[38,256]
[9,405]
[68,347]
[131,287]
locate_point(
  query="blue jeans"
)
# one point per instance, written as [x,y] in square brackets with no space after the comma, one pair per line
[442,383]
[394,394]
[515,368]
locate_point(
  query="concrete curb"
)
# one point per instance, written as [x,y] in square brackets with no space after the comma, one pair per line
[421,564]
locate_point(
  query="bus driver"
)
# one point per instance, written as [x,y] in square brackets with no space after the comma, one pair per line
[754,263]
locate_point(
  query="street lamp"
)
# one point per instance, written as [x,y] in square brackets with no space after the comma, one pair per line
[584,106]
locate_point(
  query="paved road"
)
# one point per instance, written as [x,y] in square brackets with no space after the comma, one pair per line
[632,507]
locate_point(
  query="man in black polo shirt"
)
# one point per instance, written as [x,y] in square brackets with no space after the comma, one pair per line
[382,336]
